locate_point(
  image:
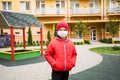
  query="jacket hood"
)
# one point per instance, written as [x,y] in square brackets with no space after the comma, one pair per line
[62,24]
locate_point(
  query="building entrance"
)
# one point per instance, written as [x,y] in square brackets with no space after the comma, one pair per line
[93,35]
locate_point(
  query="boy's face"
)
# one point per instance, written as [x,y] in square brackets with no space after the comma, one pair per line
[62,29]
[62,32]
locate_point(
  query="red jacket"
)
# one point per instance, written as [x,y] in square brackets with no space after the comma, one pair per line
[61,54]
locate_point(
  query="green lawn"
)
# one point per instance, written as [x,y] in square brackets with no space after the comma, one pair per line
[20,54]
[107,50]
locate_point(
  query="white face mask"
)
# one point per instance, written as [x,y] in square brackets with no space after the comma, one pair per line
[62,33]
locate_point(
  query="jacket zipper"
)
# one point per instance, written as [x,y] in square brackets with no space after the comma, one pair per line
[64,56]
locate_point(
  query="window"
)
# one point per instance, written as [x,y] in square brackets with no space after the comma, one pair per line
[60,4]
[94,3]
[74,6]
[112,3]
[17,33]
[6,6]
[5,33]
[57,4]
[24,6]
[38,4]
[42,6]
[38,32]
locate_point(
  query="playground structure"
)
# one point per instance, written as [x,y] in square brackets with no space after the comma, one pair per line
[11,20]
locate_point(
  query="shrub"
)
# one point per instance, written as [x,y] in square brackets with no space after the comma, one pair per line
[29,37]
[37,43]
[34,44]
[103,40]
[109,40]
[106,40]
[116,47]
[117,42]
[48,37]
[86,42]
[78,43]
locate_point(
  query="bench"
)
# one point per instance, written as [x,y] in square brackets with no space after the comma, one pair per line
[116,39]
[76,40]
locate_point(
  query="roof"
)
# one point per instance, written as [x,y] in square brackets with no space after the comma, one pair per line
[17,20]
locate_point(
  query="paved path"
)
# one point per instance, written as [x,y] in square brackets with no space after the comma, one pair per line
[34,69]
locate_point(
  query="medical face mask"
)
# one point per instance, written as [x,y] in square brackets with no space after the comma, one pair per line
[62,33]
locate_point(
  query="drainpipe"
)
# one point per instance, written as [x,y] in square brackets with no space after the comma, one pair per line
[102,9]
[104,13]
[68,10]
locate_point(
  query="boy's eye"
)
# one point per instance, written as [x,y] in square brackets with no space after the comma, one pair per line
[62,30]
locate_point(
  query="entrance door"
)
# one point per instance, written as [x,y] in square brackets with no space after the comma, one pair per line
[93,35]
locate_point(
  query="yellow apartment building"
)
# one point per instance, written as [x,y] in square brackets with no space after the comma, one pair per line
[49,12]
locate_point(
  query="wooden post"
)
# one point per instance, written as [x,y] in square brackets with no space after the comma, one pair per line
[12,43]
[24,42]
[41,40]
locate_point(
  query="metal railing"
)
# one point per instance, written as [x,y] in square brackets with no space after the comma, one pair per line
[75,11]
[43,11]
[113,9]
[85,11]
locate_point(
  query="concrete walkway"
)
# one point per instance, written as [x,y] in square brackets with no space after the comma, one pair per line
[34,69]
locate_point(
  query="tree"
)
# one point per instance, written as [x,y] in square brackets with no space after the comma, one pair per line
[29,37]
[48,37]
[82,29]
[1,31]
[112,27]
[55,33]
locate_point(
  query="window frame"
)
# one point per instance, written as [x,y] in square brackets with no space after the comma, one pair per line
[7,7]
[24,5]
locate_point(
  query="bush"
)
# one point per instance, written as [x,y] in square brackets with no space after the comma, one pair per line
[103,40]
[75,43]
[78,43]
[117,42]
[18,44]
[106,40]
[86,42]
[34,44]
[37,43]
[116,47]
[109,40]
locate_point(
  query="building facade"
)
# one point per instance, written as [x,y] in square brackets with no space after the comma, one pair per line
[95,12]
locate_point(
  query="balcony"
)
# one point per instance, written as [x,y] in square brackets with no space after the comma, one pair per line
[85,11]
[50,11]
[115,9]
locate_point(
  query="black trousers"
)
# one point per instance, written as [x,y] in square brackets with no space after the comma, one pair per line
[60,75]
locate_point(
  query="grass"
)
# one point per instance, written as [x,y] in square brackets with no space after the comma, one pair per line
[19,54]
[106,50]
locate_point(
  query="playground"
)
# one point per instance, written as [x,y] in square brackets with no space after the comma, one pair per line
[26,63]
[89,66]
[11,21]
